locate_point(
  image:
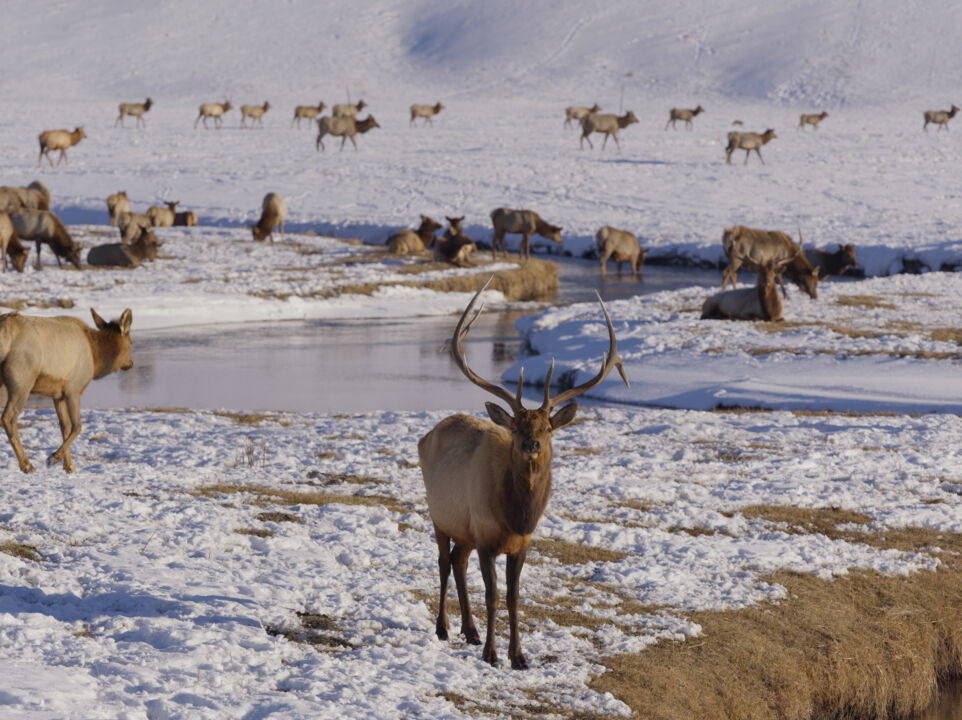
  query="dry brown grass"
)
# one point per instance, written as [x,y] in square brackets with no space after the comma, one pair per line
[320,631]
[23,303]
[264,495]
[256,532]
[331,478]
[575,554]
[808,520]
[278,517]
[21,550]
[864,301]
[241,418]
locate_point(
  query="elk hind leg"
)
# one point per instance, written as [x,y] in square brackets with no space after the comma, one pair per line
[444,568]
[16,398]
[486,558]
[459,560]
[72,407]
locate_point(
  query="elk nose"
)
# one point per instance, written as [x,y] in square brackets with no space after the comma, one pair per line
[530,445]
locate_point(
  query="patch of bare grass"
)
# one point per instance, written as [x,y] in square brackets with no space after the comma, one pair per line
[808,520]
[319,631]
[332,478]
[864,301]
[21,550]
[256,532]
[574,553]
[278,517]
[264,495]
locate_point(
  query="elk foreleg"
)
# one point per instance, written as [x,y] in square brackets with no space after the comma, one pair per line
[72,408]
[514,565]
[459,559]
[16,398]
[486,558]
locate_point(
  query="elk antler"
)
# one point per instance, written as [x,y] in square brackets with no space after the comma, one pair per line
[609,360]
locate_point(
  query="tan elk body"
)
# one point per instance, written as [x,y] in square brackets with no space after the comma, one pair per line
[343,127]
[307,112]
[748,141]
[811,119]
[163,216]
[42,226]
[609,125]
[348,110]
[10,244]
[212,110]
[455,246]
[488,483]
[741,244]
[761,302]
[125,255]
[273,211]
[409,241]
[135,110]
[579,113]
[620,246]
[523,222]
[58,140]
[938,117]
[57,357]
[425,111]
[683,114]
[117,204]
[255,113]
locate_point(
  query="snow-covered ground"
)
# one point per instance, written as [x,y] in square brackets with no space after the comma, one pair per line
[149,596]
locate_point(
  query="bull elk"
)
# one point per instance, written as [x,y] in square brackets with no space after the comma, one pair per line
[57,357]
[488,483]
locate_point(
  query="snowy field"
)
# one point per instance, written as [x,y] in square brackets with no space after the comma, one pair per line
[213,565]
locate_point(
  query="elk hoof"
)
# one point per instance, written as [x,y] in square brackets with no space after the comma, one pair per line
[471,636]
[441,629]
[26,467]
[53,460]
[490,656]
[519,663]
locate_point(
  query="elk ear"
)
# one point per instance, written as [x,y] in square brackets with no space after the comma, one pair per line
[564,416]
[499,415]
[125,319]
[98,321]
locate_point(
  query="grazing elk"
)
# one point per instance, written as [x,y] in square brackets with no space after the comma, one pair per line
[57,357]
[213,110]
[136,110]
[10,244]
[676,114]
[307,112]
[163,217]
[748,141]
[741,244]
[35,196]
[621,246]
[607,124]
[273,210]
[939,117]
[125,255]
[408,241]
[761,302]
[343,127]
[255,113]
[455,246]
[117,204]
[488,483]
[835,263]
[42,226]
[425,111]
[10,199]
[579,113]
[524,222]
[348,109]
[812,120]
[58,140]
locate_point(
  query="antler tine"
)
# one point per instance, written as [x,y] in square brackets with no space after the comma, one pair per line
[457,352]
[547,387]
[609,360]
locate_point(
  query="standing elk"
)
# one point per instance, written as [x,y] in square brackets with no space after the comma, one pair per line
[117,204]
[835,263]
[741,244]
[524,222]
[163,217]
[579,113]
[213,110]
[812,120]
[307,112]
[58,140]
[939,117]
[488,483]
[676,114]
[136,110]
[130,225]
[748,141]
[255,113]
[761,302]
[348,109]
[425,111]
[454,246]
[621,246]
[273,210]
[57,357]
[343,127]
[409,241]
[10,244]
[607,124]
[42,226]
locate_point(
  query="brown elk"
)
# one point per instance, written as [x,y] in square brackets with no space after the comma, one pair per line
[741,244]
[621,246]
[273,212]
[524,222]
[343,127]
[125,255]
[748,141]
[761,302]
[187,218]
[812,119]
[58,140]
[135,110]
[163,217]
[579,113]
[607,124]
[212,110]
[676,114]
[412,241]
[425,111]
[348,109]
[488,483]
[10,244]
[255,113]
[116,204]
[454,246]
[939,117]
[57,357]
[42,226]
[307,112]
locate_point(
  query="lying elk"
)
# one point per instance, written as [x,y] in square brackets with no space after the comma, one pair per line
[835,263]
[42,226]
[748,141]
[761,302]
[621,246]
[741,244]
[343,127]
[117,204]
[187,218]
[939,117]
[212,110]
[125,255]
[455,246]
[57,357]
[812,120]
[348,109]
[136,110]
[425,111]
[524,222]
[58,140]
[163,217]
[488,483]
[579,113]
[607,124]
[273,211]
[409,241]
[307,112]
[10,244]
[676,114]
[255,113]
